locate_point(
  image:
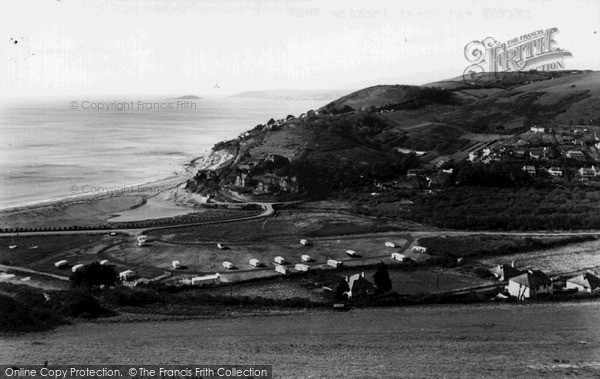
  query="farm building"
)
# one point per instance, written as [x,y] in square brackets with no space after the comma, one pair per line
[305,258]
[529,284]
[61,264]
[419,249]
[281,269]
[125,275]
[390,244]
[505,271]
[255,263]
[587,282]
[334,263]
[227,265]
[351,253]
[76,267]
[176,264]
[399,257]
[280,260]
[301,267]
[303,242]
[359,286]
[205,280]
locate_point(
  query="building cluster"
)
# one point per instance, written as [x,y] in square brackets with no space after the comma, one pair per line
[529,283]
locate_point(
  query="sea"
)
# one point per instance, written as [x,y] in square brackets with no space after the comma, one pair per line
[55,148]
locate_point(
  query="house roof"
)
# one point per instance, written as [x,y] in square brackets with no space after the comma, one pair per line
[358,281]
[586,280]
[532,278]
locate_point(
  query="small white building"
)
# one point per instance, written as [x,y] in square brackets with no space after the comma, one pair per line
[334,263]
[104,262]
[301,267]
[61,264]
[390,244]
[529,284]
[351,253]
[176,264]
[125,275]
[419,249]
[305,258]
[555,171]
[220,246]
[281,269]
[142,240]
[399,257]
[227,265]
[304,242]
[76,267]
[206,280]
[280,260]
[255,262]
[587,282]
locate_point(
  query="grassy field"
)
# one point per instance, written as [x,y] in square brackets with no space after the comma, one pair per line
[287,224]
[572,258]
[206,257]
[48,247]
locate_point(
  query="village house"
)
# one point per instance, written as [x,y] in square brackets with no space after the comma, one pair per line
[505,271]
[530,170]
[359,286]
[537,129]
[529,284]
[536,153]
[587,282]
[242,180]
[555,171]
[587,172]
[575,154]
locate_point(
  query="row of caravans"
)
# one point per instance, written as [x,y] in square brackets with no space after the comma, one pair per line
[62,264]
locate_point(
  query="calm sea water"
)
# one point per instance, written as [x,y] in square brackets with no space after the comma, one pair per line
[46,147]
[485,341]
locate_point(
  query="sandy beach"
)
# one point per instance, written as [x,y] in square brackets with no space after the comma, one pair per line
[149,200]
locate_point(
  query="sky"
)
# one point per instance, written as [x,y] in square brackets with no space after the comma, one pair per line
[73,47]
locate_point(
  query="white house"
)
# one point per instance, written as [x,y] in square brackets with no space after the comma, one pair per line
[555,171]
[76,267]
[334,263]
[61,264]
[220,246]
[125,275]
[399,257]
[537,129]
[301,267]
[176,264]
[104,262]
[351,253]
[255,262]
[305,258]
[587,282]
[141,240]
[280,260]
[390,244]
[227,265]
[529,284]
[281,269]
[303,242]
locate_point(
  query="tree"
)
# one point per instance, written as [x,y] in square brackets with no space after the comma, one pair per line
[94,275]
[381,278]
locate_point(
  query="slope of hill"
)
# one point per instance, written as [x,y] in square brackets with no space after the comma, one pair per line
[283,94]
[359,137]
